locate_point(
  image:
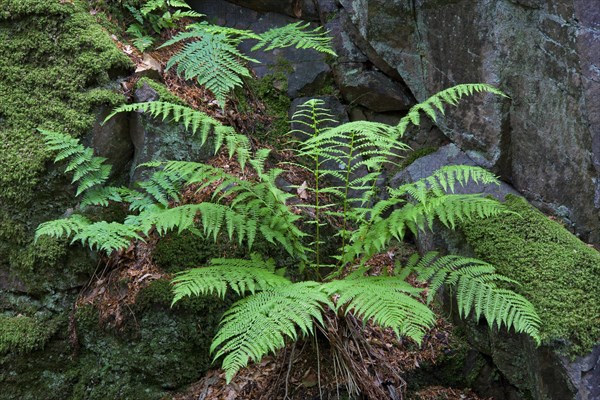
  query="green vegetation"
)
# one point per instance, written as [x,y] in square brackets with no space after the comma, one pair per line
[21,334]
[273,307]
[212,56]
[56,64]
[556,271]
[157,15]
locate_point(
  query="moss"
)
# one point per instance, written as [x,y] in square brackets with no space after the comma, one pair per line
[272,91]
[163,92]
[557,272]
[175,253]
[53,58]
[415,155]
[56,64]
[21,334]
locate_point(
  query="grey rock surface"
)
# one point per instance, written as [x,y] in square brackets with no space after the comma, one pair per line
[155,140]
[306,70]
[543,54]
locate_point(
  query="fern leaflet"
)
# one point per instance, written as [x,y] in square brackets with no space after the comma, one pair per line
[258,324]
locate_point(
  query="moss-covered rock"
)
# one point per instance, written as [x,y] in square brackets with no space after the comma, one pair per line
[22,334]
[57,64]
[557,272]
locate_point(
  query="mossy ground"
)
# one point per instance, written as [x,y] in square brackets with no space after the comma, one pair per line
[557,272]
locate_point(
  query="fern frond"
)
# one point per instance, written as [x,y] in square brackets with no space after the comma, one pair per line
[298,35]
[239,275]
[389,302]
[213,59]
[65,227]
[196,122]
[258,324]
[88,170]
[106,236]
[435,103]
[474,282]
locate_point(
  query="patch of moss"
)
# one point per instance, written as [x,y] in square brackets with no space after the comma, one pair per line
[272,91]
[557,272]
[21,334]
[57,64]
[415,155]
[174,253]
[163,92]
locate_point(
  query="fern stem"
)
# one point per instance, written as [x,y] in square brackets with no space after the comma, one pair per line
[346,190]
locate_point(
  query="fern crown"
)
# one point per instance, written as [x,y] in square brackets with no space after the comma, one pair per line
[346,163]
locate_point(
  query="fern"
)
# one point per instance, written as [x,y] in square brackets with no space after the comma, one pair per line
[65,227]
[88,170]
[475,284]
[258,324]
[210,53]
[389,302]
[297,35]
[239,275]
[210,58]
[275,308]
[435,103]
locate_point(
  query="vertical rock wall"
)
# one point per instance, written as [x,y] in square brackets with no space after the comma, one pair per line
[544,54]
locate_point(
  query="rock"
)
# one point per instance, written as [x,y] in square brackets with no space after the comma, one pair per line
[156,140]
[112,141]
[543,54]
[306,71]
[449,155]
[302,9]
[541,247]
[371,89]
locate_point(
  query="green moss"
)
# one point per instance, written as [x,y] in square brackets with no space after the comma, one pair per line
[57,64]
[161,89]
[558,273]
[23,334]
[53,58]
[272,91]
[175,253]
[415,155]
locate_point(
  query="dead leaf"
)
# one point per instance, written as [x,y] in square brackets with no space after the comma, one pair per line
[301,190]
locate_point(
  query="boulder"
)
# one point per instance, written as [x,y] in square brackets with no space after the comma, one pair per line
[556,272]
[157,140]
[545,55]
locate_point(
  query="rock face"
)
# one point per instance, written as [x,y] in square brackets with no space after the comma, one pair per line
[544,54]
[553,268]
[306,71]
[155,140]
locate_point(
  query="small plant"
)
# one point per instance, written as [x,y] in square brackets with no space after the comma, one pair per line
[157,15]
[274,307]
[211,56]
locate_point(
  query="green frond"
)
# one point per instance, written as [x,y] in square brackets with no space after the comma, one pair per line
[88,170]
[210,57]
[106,236]
[198,123]
[436,103]
[65,227]
[474,282]
[241,276]
[258,324]
[389,302]
[298,35]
